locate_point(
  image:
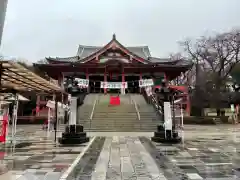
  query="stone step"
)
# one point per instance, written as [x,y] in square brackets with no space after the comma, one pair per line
[113,109]
[114,123]
[120,112]
[115,115]
[120,130]
[120,123]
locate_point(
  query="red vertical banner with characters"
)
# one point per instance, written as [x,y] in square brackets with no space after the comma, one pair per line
[3,126]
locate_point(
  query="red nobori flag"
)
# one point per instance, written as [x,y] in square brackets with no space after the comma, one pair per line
[4,123]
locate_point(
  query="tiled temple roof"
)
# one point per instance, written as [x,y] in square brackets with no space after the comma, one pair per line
[85,51]
[139,52]
[66,59]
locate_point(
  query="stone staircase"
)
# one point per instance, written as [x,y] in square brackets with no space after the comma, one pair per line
[122,118]
[149,118]
[84,111]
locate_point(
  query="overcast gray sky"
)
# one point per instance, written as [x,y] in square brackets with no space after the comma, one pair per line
[35,29]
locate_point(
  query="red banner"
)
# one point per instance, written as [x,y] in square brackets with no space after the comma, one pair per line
[114,100]
[4,124]
[37,109]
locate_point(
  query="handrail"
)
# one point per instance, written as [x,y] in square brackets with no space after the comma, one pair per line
[152,100]
[136,108]
[91,116]
[155,103]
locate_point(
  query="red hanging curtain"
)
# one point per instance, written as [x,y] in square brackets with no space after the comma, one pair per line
[114,100]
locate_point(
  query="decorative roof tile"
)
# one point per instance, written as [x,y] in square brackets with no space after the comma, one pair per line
[159,60]
[85,51]
[170,61]
[66,59]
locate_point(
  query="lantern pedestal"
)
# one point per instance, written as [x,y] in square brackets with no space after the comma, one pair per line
[73,135]
[73,132]
[168,138]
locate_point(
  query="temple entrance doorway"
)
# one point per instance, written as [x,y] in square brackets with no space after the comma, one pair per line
[95,83]
[114,78]
[132,81]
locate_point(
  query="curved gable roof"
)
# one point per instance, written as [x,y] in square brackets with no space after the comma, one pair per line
[85,51]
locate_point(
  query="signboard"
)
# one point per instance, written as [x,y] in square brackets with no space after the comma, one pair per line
[145,82]
[114,85]
[82,82]
[232,108]
[167,116]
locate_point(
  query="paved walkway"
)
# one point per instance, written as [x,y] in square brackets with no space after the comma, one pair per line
[125,158]
[37,157]
[208,152]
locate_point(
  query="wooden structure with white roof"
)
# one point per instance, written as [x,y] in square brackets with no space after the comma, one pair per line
[18,78]
[14,78]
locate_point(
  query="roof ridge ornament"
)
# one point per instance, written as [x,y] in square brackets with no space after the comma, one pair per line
[114,36]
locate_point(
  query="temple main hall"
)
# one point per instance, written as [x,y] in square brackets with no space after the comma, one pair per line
[113,67]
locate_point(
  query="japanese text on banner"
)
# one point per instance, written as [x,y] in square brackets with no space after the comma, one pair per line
[82,82]
[145,82]
[113,85]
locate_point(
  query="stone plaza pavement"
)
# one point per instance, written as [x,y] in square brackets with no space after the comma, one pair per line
[35,156]
[207,152]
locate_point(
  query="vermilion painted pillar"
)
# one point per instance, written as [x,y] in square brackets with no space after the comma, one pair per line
[165,76]
[123,82]
[105,81]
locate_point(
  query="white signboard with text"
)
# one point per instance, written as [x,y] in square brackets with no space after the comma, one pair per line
[145,82]
[82,82]
[167,115]
[114,85]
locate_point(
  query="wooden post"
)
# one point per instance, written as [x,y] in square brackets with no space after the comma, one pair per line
[56,119]
[140,78]
[123,80]
[37,105]
[105,80]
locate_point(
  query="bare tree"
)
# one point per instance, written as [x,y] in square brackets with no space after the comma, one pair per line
[218,55]
[183,78]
